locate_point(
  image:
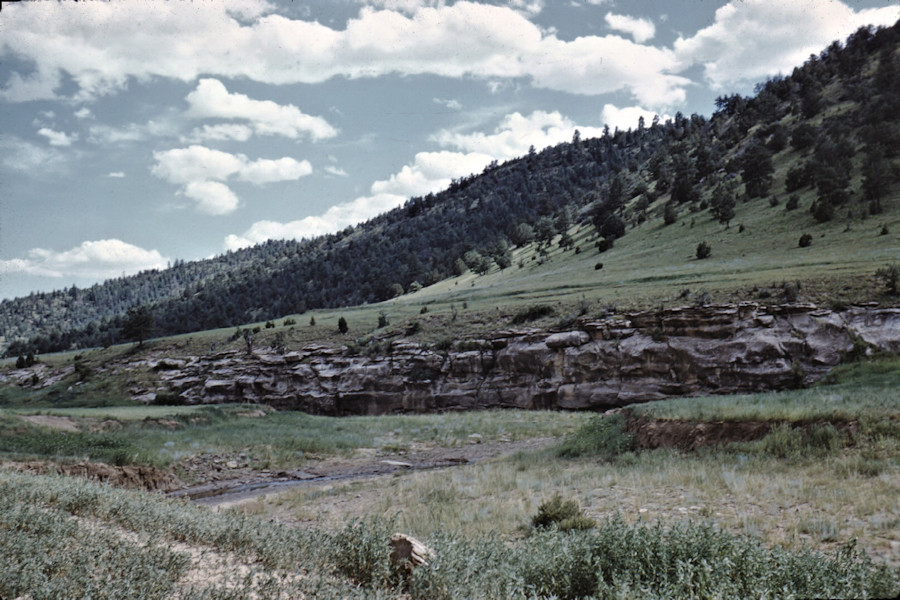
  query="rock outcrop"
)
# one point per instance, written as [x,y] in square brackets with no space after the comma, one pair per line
[604,363]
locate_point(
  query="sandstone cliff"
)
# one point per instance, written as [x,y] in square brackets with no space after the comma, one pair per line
[603,363]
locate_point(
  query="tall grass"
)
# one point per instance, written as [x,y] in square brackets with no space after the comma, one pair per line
[61,538]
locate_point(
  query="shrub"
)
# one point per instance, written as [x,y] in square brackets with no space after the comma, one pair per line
[604,244]
[360,552]
[785,441]
[602,436]
[564,514]
[704,250]
[890,277]
[670,214]
[533,313]
[342,325]
[382,319]
[413,328]
[288,322]
[790,292]
[793,202]
[598,266]
[805,240]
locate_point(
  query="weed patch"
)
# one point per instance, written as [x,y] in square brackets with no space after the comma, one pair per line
[602,436]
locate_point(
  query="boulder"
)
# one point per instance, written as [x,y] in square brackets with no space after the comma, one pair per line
[567,339]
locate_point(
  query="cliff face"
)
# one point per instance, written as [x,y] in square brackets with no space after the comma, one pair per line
[605,363]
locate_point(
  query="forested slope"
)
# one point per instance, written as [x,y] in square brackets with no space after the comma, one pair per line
[833,125]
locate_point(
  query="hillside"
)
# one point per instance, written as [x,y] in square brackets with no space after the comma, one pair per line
[812,153]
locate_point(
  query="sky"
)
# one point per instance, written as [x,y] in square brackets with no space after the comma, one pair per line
[137,133]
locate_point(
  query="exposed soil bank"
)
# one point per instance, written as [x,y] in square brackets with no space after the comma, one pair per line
[691,435]
[149,479]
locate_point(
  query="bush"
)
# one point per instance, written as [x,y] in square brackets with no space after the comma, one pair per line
[704,250]
[598,266]
[604,244]
[360,552]
[533,313]
[565,515]
[342,325]
[670,214]
[785,441]
[805,240]
[793,202]
[890,277]
[602,436]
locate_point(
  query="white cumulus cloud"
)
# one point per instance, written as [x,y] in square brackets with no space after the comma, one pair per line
[516,133]
[101,49]
[57,138]
[213,101]
[627,118]
[212,197]
[95,259]
[753,39]
[641,30]
[202,171]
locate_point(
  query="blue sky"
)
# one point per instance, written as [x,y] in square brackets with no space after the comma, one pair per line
[136,133]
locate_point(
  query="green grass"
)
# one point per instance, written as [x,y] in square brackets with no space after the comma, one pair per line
[169,435]
[866,390]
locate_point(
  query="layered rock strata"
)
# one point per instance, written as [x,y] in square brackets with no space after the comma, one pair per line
[601,363]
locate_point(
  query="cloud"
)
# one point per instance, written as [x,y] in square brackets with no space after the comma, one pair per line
[116,175]
[753,39]
[449,103]
[132,132]
[221,132]
[266,171]
[529,7]
[83,113]
[640,30]
[57,138]
[627,118]
[103,48]
[24,156]
[212,197]
[196,163]
[336,171]
[213,101]
[99,259]
[431,172]
[201,172]
[516,133]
